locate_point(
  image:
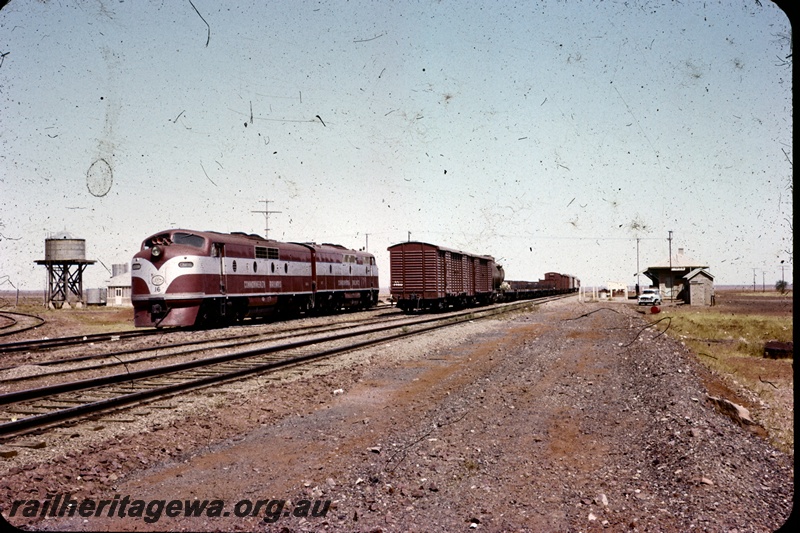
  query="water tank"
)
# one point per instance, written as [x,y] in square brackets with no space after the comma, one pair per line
[64,247]
[96,296]
[120,268]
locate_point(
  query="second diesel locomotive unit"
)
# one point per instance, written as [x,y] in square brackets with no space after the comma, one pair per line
[182,278]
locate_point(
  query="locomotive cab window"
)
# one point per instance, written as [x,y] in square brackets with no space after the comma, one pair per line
[165,239]
[188,239]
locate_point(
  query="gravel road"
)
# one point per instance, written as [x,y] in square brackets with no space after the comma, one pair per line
[567,417]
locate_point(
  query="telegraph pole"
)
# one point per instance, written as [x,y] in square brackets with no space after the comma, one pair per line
[266,212]
[637,267]
[754,280]
[671,281]
[367,248]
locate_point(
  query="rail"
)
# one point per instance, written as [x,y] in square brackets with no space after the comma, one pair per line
[216,369]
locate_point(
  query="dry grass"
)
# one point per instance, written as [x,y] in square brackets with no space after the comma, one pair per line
[737,334]
[729,339]
[64,322]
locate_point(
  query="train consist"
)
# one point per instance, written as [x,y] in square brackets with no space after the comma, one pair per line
[185,278]
[429,277]
[553,283]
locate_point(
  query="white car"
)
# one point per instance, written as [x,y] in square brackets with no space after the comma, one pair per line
[650,297]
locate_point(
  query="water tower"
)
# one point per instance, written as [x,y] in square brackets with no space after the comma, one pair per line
[65,259]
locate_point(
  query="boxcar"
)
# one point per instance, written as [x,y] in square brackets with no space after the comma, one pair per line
[427,276]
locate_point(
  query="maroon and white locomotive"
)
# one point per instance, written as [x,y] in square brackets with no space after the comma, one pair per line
[184,278]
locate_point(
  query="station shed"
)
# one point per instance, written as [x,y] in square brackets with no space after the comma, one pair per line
[700,290]
[673,279]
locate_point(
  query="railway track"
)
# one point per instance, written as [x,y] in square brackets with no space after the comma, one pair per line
[130,358]
[12,322]
[60,342]
[76,340]
[34,409]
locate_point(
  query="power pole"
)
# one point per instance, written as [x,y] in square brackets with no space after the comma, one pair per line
[637,267]
[409,236]
[754,280]
[763,283]
[671,281]
[367,248]
[266,212]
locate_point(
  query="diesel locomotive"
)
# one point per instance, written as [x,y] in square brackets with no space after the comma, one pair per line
[186,278]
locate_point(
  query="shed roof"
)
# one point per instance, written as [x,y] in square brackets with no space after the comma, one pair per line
[120,280]
[697,271]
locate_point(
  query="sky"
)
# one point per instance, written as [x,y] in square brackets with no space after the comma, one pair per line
[549,134]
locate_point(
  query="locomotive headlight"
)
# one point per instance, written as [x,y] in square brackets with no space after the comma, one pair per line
[156,252]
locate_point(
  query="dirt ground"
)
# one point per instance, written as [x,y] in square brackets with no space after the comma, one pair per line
[570,417]
[763,385]
[768,303]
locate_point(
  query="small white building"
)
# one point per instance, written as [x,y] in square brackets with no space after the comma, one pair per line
[119,286]
[617,289]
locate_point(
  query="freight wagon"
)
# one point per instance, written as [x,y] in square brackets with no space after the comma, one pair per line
[427,276]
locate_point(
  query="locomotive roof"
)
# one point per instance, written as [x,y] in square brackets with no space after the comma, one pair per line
[442,248]
[240,237]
